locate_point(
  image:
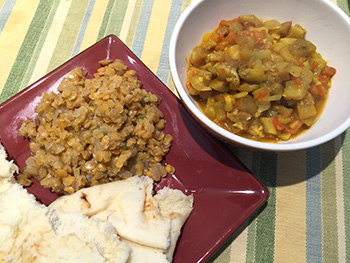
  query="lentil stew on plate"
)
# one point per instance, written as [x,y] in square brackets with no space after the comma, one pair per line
[93,131]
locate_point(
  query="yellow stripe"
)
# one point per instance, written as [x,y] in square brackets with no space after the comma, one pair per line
[15,31]
[155,34]
[340,201]
[239,247]
[127,20]
[2,3]
[185,4]
[93,27]
[290,231]
[50,41]
[170,84]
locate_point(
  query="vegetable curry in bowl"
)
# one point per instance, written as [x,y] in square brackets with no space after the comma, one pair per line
[260,79]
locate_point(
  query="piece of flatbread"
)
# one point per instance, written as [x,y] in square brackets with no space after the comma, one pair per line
[176,206]
[126,204]
[144,254]
[149,224]
[7,169]
[31,232]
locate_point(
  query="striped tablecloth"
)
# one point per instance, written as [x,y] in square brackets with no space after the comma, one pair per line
[307,216]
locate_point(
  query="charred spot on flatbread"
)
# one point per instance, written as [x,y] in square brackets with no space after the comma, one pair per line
[173,215]
[83,197]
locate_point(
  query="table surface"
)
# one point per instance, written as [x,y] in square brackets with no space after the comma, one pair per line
[307,215]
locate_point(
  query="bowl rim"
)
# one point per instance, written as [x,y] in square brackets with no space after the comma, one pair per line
[221,132]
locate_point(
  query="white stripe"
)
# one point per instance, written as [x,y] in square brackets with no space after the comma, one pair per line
[42,64]
[239,248]
[340,201]
[127,20]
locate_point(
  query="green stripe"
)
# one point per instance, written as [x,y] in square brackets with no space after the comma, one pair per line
[113,18]
[41,39]
[265,222]
[28,54]
[346,187]
[132,29]
[251,244]
[69,33]
[345,5]
[105,20]
[328,201]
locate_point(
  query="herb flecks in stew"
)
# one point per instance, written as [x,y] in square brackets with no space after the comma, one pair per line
[260,79]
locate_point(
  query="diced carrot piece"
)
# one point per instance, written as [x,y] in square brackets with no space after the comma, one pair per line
[277,124]
[330,71]
[232,37]
[323,78]
[262,94]
[314,65]
[321,90]
[300,60]
[222,71]
[224,23]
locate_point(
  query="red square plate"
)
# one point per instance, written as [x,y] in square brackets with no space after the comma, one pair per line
[225,193]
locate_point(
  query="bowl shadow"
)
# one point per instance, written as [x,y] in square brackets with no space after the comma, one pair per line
[277,169]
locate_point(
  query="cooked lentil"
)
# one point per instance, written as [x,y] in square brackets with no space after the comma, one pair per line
[94,131]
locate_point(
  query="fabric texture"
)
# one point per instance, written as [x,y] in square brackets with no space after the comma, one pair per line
[307,217]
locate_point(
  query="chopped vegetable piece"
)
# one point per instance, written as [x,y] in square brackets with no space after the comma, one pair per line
[253,75]
[306,107]
[295,90]
[198,56]
[219,85]
[301,48]
[269,126]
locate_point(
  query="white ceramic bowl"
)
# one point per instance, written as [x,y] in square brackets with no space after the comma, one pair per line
[328,27]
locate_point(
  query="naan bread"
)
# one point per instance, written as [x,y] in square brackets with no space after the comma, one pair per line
[149,224]
[7,168]
[31,232]
[144,254]
[176,206]
[128,205]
